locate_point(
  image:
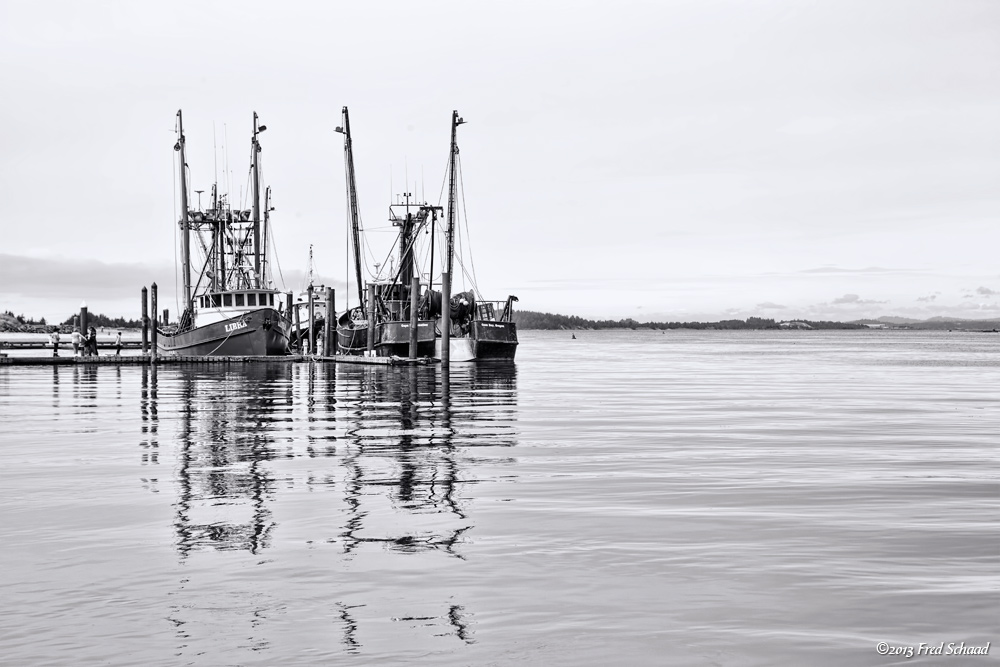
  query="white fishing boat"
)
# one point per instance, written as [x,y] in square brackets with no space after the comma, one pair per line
[230,308]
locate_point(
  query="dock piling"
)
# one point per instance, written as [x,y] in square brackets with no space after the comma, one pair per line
[83,318]
[312,320]
[152,330]
[331,316]
[371,318]
[414,321]
[145,321]
[445,320]
[297,327]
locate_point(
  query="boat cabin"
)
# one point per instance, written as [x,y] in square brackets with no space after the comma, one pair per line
[249,299]
[217,306]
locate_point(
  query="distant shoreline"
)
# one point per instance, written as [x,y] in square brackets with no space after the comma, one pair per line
[530,320]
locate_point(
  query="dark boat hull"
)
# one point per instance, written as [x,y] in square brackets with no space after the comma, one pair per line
[486,341]
[393,339]
[257,333]
[495,340]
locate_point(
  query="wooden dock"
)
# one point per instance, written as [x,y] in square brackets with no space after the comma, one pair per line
[161,360]
[64,345]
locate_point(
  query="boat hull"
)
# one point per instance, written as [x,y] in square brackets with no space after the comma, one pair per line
[393,339]
[260,332]
[486,341]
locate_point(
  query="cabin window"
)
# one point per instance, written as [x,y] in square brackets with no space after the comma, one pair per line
[251,299]
[239,299]
[227,299]
[216,300]
[270,299]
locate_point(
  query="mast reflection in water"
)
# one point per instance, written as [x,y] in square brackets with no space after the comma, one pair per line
[394,445]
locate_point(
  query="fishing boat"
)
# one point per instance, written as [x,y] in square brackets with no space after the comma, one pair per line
[471,328]
[352,324]
[231,307]
[383,322]
[301,317]
[384,310]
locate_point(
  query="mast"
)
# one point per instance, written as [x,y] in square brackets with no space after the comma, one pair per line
[267,224]
[455,122]
[185,232]
[255,149]
[352,196]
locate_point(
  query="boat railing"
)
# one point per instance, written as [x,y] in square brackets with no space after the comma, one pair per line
[494,311]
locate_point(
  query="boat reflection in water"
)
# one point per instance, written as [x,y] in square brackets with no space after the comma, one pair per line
[391,444]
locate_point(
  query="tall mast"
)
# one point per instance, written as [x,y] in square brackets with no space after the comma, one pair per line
[185,232]
[255,149]
[352,196]
[267,224]
[455,122]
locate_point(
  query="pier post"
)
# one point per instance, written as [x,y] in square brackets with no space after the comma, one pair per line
[83,318]
[445,320]
[145,321]
[152,330]
[312,320]
[371,318]
[328,328]
[297,326]
[414,320]
[166,316]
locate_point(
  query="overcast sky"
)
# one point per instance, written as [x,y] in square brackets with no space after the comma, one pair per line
[659,160]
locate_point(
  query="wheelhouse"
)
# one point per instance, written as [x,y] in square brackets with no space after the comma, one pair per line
[242,299]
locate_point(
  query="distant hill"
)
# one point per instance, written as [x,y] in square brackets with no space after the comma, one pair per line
[527,319]
[9,322]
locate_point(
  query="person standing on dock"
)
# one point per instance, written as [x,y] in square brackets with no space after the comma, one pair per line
[77,340]
[118,344]
[92,342]
[55,343]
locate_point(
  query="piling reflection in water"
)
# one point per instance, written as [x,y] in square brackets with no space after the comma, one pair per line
[225,442]
[394,445]
[405,428]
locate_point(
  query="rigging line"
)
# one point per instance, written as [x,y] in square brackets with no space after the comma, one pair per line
[228,174]
[274,246]
[347,246]
[465,214]
[173,170]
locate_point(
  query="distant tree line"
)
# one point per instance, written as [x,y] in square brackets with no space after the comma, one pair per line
[527,319]
[21,319]
[102,320]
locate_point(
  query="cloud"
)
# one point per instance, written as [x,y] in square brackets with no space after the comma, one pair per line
[92,279]
[80,278]
[870,269]
[986,291]
[767,305]
[928,298]
[854,299]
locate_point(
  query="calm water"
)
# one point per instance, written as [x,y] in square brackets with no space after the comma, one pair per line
[689,498]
